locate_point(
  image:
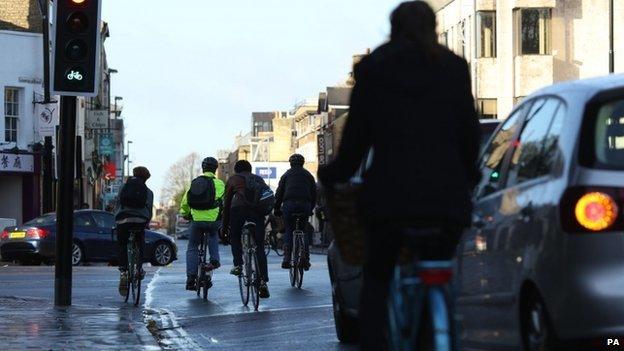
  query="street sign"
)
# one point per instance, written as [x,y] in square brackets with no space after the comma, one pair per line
[76,49]
[267,172]
[47,119]
[96,119]
[20,163]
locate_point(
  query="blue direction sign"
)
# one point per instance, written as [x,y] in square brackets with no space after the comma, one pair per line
[107,145]
[267,172]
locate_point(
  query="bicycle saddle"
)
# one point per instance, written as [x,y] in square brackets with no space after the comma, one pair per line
[249,224]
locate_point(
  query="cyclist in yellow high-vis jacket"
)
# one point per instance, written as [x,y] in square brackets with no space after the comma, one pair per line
[205,221]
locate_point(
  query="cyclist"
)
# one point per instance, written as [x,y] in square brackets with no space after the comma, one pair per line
[236,211]
[134,215]
[424,161]
[296,194]
[202,203]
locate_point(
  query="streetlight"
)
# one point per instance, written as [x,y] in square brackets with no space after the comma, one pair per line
[128,155]
[110,72]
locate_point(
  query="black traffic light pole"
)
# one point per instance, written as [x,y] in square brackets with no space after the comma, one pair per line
[65,204]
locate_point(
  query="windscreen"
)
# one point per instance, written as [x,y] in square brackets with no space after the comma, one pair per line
[608,141]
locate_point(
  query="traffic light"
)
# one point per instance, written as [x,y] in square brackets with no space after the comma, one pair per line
[76,47]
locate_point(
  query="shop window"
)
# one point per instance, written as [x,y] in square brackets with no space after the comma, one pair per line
[486,34]
[533,31]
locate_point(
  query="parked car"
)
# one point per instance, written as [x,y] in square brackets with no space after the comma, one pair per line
[95,240]
[182,227]
[542,264]
[346,280]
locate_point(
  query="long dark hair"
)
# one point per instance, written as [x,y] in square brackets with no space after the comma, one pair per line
[415,22]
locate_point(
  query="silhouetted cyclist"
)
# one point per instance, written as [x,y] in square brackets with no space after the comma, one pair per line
[412,104]
[296,194]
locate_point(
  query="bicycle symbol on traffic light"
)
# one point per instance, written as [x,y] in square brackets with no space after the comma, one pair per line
[74,75]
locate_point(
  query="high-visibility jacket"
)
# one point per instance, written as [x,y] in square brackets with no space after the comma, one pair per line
[205,215]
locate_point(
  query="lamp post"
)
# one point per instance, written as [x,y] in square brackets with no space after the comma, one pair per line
[611,48]
[128,155]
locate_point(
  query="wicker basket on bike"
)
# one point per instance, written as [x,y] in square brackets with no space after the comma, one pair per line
[344,219]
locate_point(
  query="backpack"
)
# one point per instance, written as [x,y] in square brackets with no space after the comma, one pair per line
[133,193]
[202,194]
[259,196]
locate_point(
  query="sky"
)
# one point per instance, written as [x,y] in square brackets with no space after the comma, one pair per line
[192,72]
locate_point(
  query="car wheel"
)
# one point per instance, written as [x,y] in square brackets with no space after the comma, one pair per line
[77,254]
[537,332]
[162,255]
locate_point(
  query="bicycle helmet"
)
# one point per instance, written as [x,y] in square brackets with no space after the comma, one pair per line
[210,164]
[296,160]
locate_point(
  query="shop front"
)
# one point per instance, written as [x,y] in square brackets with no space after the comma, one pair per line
[20,197]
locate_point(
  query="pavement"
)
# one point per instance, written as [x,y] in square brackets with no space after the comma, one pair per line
[170,318]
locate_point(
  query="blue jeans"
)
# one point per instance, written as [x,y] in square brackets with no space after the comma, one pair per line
[288,209]
[197,229]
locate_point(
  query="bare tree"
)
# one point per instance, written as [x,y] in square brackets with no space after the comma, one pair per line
[178,179]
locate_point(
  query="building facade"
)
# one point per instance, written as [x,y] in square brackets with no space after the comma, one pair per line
[515,47]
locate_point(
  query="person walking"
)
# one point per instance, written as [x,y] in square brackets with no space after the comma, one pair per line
[296,194]
[424,153]
[135,201]
[202,204]
[238,209]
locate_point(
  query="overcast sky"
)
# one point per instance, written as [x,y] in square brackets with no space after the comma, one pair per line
[191,72]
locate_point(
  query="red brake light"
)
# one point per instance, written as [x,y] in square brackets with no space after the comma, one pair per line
[435,276]
[37,233]
[5,235]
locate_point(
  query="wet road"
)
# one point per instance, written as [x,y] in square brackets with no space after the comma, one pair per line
[289,319]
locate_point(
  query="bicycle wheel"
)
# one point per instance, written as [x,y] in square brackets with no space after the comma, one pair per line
[130,271]
[243,281]
[405,308]
[201,269]
[299,265]
[136,289]
[440,319]
[293,271]
[255,282]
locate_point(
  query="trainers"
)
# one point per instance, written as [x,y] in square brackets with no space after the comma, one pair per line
[191,282]
[264,291]
[236,270]
[215,264]
[123,284]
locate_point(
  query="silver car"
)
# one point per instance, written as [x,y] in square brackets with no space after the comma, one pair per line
[542,267]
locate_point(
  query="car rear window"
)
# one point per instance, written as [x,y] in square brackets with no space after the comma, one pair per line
[608,136]
[43,220]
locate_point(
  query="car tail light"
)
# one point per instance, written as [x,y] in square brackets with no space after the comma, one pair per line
[596,211]
[592,209]
[435,276]
[5,235]
[37,233]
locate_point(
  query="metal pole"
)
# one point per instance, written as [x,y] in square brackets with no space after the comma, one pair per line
[43,7]
[65,208]
[611,47]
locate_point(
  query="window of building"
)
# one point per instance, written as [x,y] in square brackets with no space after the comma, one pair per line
[533,31]
[487,108]
[262,126]
[461,39]
[11,114]
[444,39]
[486,34]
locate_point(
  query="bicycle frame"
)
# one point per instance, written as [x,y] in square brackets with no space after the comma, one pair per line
[134,268]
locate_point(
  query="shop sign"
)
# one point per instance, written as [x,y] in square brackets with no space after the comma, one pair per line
[47,118]
[321,148]
[107,146]
[96,119]
[17,163]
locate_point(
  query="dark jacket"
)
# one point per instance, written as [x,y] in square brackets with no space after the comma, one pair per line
[419,117]
[296,184]
[130,212]
[235,194]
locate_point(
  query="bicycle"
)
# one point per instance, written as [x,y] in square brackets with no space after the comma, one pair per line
[273,240]
[249,280]
[298,252]
[204,270]
[420,311]
[134,269]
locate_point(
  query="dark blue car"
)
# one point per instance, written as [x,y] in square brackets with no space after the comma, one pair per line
[95,240]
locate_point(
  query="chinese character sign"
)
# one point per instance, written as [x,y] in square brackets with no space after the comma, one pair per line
[17,163]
